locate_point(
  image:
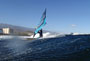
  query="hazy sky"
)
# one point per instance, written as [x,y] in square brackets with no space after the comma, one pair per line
[62,15]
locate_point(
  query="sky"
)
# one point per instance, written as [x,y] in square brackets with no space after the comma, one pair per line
[62,15]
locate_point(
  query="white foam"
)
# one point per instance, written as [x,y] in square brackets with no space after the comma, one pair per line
[45,35]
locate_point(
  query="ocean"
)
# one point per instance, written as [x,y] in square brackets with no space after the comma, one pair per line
[66,48]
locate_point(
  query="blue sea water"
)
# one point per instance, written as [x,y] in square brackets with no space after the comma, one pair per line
[67,48]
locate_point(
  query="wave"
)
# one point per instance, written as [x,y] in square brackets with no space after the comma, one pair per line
[46,35]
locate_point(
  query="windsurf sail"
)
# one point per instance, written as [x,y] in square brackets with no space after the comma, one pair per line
[42,22]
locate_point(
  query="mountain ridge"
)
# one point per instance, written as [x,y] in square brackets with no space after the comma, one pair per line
[3,25]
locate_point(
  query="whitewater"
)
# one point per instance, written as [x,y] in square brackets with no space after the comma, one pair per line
[45,35]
